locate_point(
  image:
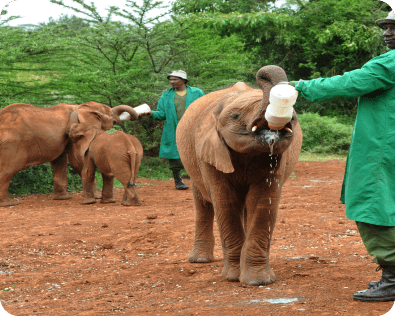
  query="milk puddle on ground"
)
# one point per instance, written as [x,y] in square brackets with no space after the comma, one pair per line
[285,300]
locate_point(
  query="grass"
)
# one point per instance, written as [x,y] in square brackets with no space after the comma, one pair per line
[308,156]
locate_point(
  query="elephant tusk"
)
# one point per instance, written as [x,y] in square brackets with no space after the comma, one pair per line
[254,128]
[289,130]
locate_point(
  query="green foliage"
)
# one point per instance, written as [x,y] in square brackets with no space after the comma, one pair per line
[324,135]
[71,22]
[39,179]
[210,61]
[155,168]
[309,39]
[195,6]
[3,15]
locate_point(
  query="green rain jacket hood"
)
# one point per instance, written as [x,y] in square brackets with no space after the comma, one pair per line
[369,181]
[166,110]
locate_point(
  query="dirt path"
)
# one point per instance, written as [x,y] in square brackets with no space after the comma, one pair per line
[62,258]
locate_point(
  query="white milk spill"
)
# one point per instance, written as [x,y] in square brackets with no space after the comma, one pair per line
[285,300]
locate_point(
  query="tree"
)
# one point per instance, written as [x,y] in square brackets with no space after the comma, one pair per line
[4,12]
[26,57]
[241,6]
[115,62]
[309,39]
[68,22]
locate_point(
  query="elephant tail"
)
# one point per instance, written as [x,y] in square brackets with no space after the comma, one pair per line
[134,167]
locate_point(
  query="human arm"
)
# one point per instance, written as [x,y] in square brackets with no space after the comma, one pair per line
[374,75]
[160,113]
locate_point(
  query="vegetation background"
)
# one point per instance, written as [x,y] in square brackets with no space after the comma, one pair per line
[98,58]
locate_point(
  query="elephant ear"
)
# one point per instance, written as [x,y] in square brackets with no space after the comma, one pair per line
[73,119]
[210,147]
[83,140]
[87,115]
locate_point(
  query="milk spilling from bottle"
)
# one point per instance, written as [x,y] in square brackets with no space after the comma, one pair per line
[279,111]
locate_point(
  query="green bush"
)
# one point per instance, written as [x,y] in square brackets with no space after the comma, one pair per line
[39,179]
[325,135]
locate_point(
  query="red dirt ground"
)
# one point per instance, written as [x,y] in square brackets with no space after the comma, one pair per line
[63,258]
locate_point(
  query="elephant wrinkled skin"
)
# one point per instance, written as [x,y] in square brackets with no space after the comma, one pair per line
[116,155]
[31,135]
[237,167]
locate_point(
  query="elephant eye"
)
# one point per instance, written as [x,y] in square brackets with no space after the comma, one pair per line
[235,116]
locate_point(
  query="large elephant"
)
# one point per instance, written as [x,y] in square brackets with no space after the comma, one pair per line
[237,166]
[31,135]
[117,155]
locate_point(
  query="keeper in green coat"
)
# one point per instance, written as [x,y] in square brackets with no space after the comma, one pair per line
[369,181]
[171,106]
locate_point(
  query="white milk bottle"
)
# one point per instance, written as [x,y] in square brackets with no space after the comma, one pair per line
[141,109]
[279,111]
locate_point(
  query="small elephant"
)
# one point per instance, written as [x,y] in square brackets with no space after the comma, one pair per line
[31,135]
[116,155]
[237,166]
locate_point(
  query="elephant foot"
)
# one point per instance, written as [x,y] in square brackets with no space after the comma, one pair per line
[232,274]
[131,203]
[107,200]
[61,196]
[255,278]
[97,194]
[88,201]
[9,202]
[200,256]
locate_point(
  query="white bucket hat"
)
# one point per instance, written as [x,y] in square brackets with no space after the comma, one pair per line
[178,73]
[390,19]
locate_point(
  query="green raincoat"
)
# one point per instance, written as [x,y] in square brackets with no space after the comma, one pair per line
[166,110]
[369,181]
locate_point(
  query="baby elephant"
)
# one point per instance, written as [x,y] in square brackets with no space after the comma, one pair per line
[117,155]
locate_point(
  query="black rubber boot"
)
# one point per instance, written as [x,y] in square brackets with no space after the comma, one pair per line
[373,283]
[180,185]
[379,291]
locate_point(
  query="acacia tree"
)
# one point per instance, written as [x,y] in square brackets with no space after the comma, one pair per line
[116,62]
[125,62]
[241,6]
[26,60]
[68,22]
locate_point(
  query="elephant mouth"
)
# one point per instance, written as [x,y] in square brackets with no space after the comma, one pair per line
[258,127]
[272,138]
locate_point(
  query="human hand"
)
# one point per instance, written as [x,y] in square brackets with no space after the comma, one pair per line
[143,109]
[145,114]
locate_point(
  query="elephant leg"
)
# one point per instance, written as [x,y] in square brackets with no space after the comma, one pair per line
[59,166]
[88,180]
[77,165]
[108,189]
[130,197]
[5,178]
[261,208]
[228,206]
[203,246]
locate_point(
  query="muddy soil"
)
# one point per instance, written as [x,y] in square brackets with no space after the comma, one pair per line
[64,258]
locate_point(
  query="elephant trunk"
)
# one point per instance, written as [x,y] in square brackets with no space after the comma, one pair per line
[118,110]
[266,78]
